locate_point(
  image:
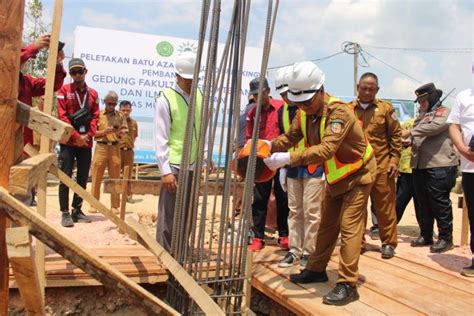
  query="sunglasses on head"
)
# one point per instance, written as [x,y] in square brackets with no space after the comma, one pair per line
[77,72]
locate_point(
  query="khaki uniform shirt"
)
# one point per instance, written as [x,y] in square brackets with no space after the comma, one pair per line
[383,130]
[128,140]
[114,119]
[343,137]
[431,145]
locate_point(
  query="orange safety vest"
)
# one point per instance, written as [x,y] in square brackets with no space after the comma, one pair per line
[334,169]
[303,142]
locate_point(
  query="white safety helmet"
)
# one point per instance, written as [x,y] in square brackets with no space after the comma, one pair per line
[185,65]
[282,77]
[306,80]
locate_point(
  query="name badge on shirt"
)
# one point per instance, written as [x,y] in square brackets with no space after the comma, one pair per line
[82,129]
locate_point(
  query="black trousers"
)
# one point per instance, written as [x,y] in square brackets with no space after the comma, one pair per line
[405,192]
[432,189]
[67,156]
[262,193]
[468,188]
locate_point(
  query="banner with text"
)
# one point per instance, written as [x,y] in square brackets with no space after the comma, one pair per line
[138,66]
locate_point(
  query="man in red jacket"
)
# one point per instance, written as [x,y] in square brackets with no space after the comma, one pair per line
[72,98]
[30,86]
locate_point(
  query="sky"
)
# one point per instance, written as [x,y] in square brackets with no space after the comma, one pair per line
[405,42]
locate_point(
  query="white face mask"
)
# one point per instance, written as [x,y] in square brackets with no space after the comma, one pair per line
[364,105]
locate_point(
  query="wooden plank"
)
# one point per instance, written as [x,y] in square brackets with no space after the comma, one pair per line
[11,21]
[124,191]
[418,292]
[465,224]
[25,175]
[45,124]
[96,267]
[21,260]
[153,187]
[292,296]
[202,299]
[458,282]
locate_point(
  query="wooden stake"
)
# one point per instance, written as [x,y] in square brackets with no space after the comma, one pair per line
[109,276]
[11,21]
[45,145]
[125,185]
[24,269]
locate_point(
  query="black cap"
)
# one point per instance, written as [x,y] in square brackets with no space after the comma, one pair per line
[255,83]
[423,92]
[76,62]
[61,46]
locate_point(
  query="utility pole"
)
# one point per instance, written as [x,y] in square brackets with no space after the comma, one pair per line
[356,65]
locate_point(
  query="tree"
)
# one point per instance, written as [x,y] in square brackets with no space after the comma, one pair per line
[34,26]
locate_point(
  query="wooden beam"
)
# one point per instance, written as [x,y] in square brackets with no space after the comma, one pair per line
[42,123]
[11,21]
[124,191]
[465,224]
[25,175]
[24,269]
[199,295]
[109,276]
[153,187]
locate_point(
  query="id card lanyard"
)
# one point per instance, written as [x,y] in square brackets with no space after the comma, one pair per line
[82,104]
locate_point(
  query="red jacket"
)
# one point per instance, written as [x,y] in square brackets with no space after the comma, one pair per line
[68,104]
[268,121]
[30,86]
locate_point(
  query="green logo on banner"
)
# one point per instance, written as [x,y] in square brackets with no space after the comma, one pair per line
[164,49]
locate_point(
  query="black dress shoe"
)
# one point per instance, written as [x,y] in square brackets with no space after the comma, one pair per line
[421,242]
[387,252]
[441,246]
[307,276]
[78,216]
[342,294]
[66,220]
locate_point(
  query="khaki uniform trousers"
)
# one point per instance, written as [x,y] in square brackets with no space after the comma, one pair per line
[383,197]
[345,214]
[127,157]
[105,156]
[304,200]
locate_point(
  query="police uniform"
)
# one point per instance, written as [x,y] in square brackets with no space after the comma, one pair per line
[434,163]
[107,153]
[337,141]
[384,133]
[127,143]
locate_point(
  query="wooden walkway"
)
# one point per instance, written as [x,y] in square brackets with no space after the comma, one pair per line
[412,283]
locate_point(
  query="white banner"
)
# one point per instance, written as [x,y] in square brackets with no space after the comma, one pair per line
[137,67]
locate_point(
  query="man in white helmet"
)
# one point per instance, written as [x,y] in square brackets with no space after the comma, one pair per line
[337,142]
[304,183]
[171,110]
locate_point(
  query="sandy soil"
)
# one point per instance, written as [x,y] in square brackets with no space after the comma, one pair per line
[102,232]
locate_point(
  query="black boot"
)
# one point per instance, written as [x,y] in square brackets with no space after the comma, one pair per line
[342,294]
[78,216]
[442,245]
[66,220]
[387,252]
[307,276]
[421,242]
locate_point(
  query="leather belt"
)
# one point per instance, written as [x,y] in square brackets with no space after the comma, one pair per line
[107,143]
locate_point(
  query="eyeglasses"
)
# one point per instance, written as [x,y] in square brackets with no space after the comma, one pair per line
[77,72]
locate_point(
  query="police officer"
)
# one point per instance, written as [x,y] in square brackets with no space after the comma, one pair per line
[339,144]
[127,142]
[73,98]
[434,163]
[112,125]
[384,133]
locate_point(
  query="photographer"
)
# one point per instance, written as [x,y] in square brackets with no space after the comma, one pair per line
[78,105]
[112,126]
